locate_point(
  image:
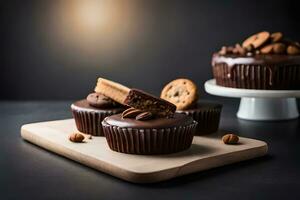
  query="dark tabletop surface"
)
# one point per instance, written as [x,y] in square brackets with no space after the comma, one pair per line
[28,171]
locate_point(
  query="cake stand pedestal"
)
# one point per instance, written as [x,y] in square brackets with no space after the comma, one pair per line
[262,105]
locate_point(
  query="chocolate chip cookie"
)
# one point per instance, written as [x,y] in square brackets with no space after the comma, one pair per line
[257,40]
[181,92]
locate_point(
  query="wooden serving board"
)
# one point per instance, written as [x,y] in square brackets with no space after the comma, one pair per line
[206,152]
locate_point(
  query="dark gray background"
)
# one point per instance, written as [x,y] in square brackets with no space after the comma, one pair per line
[45,55]
[42,56]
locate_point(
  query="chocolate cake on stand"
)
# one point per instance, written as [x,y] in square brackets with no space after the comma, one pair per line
[264,71]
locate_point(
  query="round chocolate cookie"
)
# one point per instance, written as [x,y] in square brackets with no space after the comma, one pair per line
[152,136]
[98,100]
[181,92]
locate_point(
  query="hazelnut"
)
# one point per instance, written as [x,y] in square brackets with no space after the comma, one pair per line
[250,48]
[223,51]
[293,50]
[76,137]
[240,50]
[279,48]
[268,49]
[230,139]
[276,37]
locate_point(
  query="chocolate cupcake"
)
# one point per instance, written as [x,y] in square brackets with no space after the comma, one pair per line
[264,61]
[207,114]
[156,135]
[89,113]
[184,94]
[150,126]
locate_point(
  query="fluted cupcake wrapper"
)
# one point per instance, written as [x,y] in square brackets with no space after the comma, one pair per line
[208,119]
[257,76]
[149,141]
[89,122]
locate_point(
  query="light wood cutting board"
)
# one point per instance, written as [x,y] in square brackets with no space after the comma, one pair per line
[206,152]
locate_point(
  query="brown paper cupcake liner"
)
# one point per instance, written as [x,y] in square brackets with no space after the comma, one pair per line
[149,141]
[89,122]
[258,76]
[208,119]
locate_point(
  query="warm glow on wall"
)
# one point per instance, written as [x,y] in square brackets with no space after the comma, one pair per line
[93,25]
[91,15]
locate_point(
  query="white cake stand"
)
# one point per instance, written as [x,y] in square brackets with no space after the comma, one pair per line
[263,105]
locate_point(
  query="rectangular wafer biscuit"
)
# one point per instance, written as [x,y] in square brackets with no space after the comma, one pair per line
[113,90]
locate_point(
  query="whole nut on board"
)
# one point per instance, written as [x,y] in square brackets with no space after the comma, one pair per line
[230,139]
[76,137]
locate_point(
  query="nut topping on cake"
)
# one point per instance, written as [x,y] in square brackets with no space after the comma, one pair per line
[276,37]
[263,43]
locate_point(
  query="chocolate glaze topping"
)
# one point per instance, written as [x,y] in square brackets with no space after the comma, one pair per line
[84,105]
[176,120]
[268,60]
